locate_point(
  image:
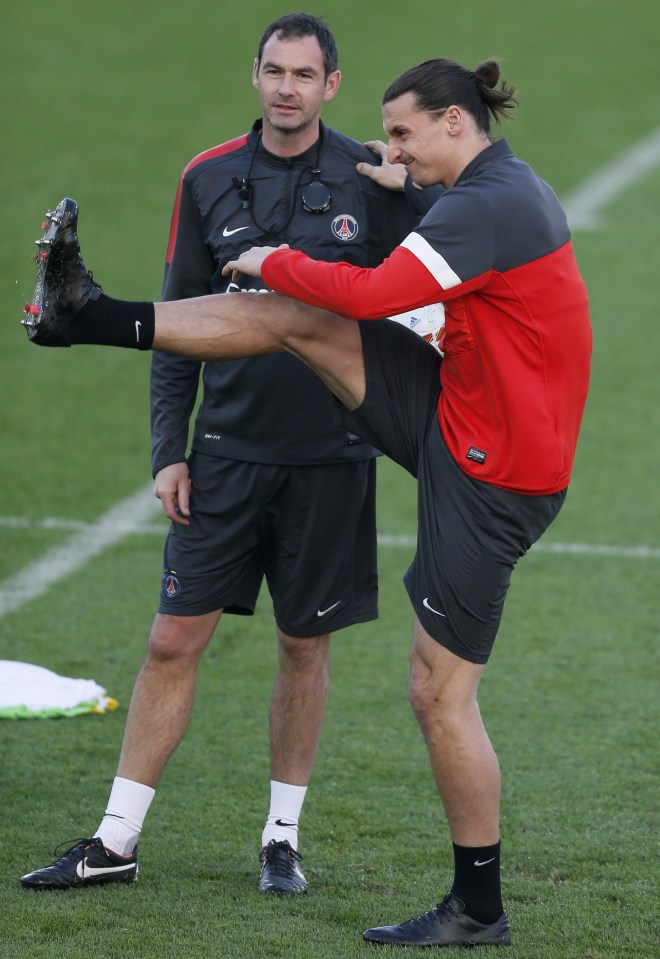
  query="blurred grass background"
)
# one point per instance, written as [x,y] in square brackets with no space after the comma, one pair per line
[107,103]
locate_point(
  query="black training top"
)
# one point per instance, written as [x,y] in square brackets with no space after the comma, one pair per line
[267,409]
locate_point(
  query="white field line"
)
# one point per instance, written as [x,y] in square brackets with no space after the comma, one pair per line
[575,549]
[90,540]
[584,204]
[130,527]
[131,517]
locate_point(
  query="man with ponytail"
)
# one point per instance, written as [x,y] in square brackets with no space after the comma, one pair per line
[489,430]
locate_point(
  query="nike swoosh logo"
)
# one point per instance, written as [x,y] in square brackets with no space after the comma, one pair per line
[278,822]
[484,863]
[425,602]
[323,612]
[138,324]
[228,232]
[85,871]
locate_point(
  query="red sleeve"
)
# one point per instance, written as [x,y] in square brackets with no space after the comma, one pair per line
[400,283]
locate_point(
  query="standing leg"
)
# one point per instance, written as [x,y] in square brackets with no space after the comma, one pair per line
[443,694]
[158,716]
[157,719]
[297,707]
[321,568]
[297,710]
[163,694]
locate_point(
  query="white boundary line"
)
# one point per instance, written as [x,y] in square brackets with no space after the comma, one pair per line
[575,549]
[584,204]
[131,517]
[108,530]
[57,563]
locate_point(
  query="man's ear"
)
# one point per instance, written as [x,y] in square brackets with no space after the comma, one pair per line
[332,85]
[453,117]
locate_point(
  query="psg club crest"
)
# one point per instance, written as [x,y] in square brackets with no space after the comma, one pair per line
[171,585]
[344,227]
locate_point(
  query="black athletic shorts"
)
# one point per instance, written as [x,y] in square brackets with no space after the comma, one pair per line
[470,534]
[309,530]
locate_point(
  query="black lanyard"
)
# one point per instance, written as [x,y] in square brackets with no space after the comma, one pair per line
[315,196]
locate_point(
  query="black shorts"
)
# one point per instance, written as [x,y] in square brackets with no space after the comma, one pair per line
[309,530]
[470,534]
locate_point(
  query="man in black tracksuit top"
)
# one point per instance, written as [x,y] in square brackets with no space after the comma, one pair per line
[269,409]
[272,487]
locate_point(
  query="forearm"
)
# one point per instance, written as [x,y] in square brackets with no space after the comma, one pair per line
[399,283]
[174,384]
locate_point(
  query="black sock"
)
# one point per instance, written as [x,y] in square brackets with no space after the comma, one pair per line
[109,322]
[477,881]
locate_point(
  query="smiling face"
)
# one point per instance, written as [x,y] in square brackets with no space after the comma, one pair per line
[416,139]
[433,149]
[292,86]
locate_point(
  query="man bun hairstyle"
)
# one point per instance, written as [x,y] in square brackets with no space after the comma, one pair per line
[438,84]
[295,26]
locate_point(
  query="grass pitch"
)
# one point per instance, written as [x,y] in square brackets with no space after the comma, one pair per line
[107,104]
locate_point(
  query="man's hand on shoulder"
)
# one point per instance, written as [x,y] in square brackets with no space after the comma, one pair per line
[390,175]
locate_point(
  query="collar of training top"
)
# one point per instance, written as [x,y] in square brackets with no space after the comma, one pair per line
[496,150]
[309,157]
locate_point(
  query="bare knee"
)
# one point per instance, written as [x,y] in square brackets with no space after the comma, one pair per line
[290,323]
[179,638]
[426,699]
[307,654]
[440,700]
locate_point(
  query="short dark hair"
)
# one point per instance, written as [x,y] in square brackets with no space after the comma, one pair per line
[437,84]
[294,26]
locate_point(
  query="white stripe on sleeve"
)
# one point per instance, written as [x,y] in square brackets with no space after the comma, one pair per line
[434,263]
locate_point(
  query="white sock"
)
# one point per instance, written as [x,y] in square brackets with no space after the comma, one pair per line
[285,805]
[127,807]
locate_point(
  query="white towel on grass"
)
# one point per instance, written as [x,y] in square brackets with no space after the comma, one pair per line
[28,691]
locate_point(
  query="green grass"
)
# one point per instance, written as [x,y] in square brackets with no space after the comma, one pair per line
[107,103]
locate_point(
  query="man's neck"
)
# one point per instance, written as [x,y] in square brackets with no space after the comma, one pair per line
[283,144]
[468,154]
